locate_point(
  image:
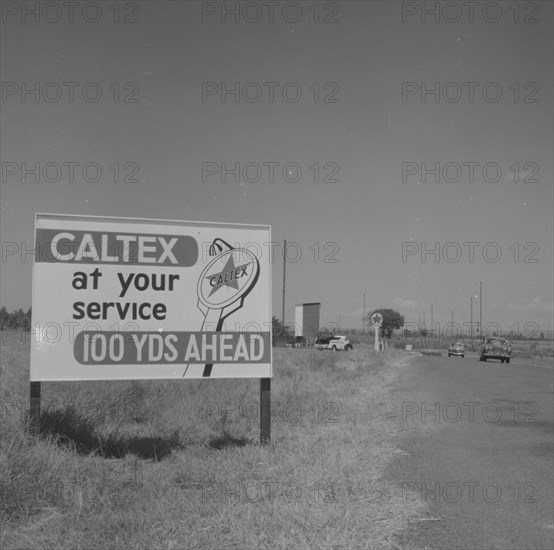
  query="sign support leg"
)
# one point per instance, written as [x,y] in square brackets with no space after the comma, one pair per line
[35,407]
[265,411]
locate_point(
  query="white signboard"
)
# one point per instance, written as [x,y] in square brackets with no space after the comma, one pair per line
[122,298]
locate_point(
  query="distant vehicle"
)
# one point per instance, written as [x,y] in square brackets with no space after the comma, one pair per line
[340,343]
[495,348]
[323,342]
[333,343]
[456,348]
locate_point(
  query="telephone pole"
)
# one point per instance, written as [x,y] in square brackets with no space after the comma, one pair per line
[471,319]
[284,278]
[363,317]
[480,309]
[471,331]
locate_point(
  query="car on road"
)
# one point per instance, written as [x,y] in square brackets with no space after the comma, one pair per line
[495,348]
[456,348]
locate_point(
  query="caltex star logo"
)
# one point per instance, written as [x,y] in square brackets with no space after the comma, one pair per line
[377,319]
[229,276]
[236,270]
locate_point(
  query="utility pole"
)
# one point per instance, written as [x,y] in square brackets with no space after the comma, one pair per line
[363,317]
[471,320]
[284,278]
[480,309]
[471,316]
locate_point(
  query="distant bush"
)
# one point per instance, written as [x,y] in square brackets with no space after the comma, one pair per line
[14,320]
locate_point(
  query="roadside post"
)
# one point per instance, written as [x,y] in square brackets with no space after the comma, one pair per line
[376,322]
[265,411]
[34,416]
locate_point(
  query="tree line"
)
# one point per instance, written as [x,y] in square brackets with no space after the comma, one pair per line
[19,319]
[16,319]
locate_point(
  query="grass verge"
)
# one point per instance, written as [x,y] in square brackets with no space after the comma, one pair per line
[319,484]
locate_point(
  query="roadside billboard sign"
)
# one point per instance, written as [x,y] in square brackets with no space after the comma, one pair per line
[126,298]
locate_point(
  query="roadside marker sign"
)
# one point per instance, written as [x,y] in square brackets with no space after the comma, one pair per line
[376,319]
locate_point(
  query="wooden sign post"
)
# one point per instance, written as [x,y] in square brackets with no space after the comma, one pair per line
[34,413]
[265,411]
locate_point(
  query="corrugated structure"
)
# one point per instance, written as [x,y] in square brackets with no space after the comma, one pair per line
[307,319]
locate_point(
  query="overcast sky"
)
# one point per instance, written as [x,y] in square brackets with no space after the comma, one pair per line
[148,105]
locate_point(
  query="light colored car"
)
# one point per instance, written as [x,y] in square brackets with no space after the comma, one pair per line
[322,343]
[340,343]
[456,348]
[495,348]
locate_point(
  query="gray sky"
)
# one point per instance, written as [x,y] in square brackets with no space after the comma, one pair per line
[351,125]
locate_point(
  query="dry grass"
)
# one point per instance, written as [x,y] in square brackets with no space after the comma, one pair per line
[204,481]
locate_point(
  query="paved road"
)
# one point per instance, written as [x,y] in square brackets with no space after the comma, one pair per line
[479,444]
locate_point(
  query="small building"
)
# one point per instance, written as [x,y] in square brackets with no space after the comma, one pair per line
[306,320]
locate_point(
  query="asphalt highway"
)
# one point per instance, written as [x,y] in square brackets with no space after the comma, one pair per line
[478,438]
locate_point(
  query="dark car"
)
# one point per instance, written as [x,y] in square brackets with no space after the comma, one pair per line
[495,348]
[456,348]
